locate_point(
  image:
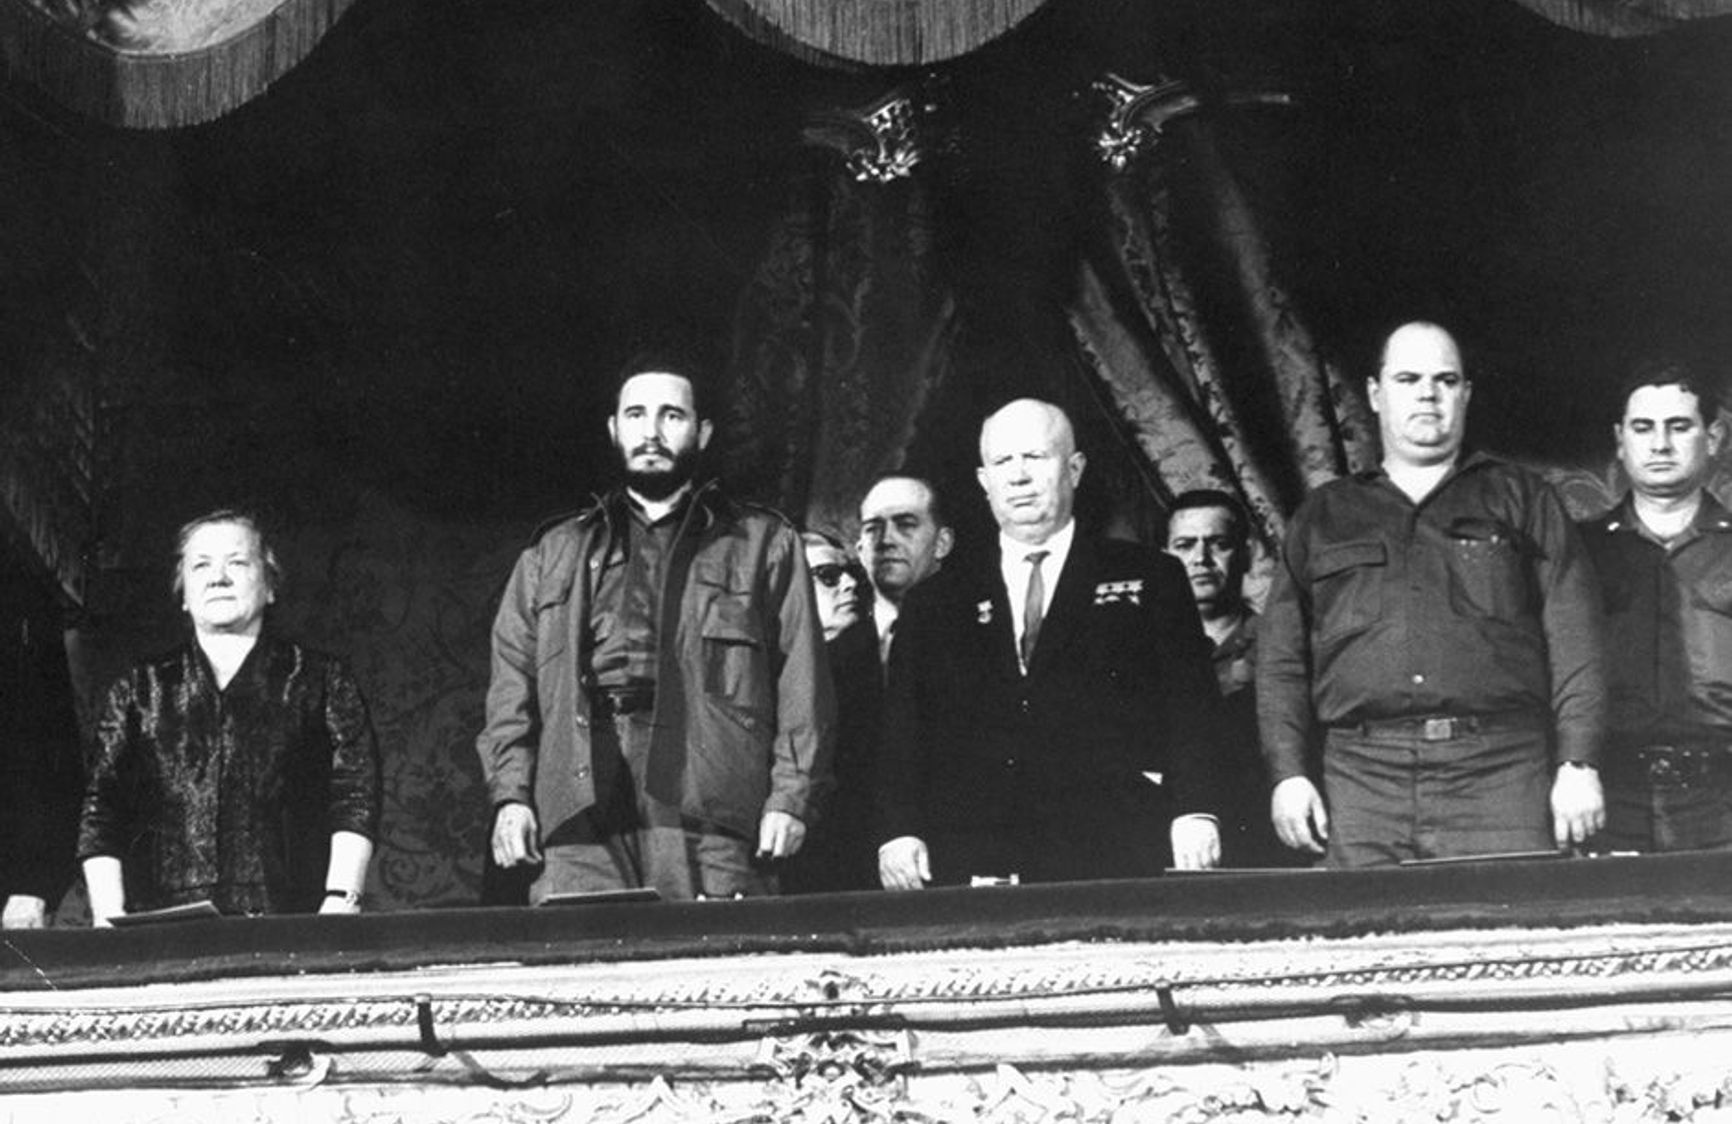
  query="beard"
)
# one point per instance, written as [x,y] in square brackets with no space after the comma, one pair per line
[659,483]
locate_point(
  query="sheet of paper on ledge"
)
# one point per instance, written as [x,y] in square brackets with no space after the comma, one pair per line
[190,911]
[603,897]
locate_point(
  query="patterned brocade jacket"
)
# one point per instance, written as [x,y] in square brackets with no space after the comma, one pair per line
[230,794]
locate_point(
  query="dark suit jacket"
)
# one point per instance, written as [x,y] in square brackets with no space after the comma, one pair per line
[1042,775]
[840,852]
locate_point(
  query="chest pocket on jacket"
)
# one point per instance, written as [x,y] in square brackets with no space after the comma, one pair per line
[1715,595]
[735,660]
[1708,633]
[1347,586]
[552,623]
[1487,569]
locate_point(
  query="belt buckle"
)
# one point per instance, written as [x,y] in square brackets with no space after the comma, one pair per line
[1662,767]
[1438,729]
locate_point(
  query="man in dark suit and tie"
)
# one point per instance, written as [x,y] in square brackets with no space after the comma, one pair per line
[1047,717]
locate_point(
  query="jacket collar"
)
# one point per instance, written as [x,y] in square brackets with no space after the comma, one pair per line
[1711,517]
[711,503]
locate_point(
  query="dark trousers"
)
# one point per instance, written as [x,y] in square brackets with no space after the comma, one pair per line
[1668,799]
[1397,796]
[1106,833]
[630,840]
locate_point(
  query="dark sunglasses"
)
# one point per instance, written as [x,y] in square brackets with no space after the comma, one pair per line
[829,574]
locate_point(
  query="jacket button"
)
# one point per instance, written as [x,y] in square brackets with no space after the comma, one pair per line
[582,772]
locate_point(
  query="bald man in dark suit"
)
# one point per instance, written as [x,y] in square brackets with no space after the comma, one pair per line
[1048,715]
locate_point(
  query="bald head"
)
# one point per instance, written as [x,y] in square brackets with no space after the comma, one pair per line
[1029,469]
[1420,396]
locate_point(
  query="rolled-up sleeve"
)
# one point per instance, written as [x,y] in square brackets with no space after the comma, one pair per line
[1285,721]
[1574,628]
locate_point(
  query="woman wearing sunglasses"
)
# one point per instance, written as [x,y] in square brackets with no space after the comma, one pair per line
[840,853]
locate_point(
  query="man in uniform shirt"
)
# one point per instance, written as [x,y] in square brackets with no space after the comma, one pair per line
[1664,556]
[1048,714]
[904,538]
[1208,532]
[660,713]
[1437,618]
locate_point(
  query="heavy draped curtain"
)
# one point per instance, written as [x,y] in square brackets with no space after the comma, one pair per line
[1269,423]
[840,339]
[1626,17]
[850,328]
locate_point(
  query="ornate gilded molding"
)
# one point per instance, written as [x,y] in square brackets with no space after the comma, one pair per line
[1630,1081]
[1138,114]
[826,1017]
[880,142]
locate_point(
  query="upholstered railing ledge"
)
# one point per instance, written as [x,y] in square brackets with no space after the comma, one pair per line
[1220,908]
[1495,988]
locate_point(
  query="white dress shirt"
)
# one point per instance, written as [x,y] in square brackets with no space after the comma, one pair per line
[1014,566]
[884,614]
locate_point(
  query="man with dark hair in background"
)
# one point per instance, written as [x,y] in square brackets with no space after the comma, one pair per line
[1664,556]
[1437,617]
[904,538]
[1208,531]
[660,713]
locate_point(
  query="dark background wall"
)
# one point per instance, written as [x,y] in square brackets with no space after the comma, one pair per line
[381,302]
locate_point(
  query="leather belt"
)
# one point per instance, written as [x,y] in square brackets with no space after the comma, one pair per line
[611,701]
[1444,727]
[1675,767]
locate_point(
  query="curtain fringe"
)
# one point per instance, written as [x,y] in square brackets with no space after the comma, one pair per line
[876,32]
[138,90]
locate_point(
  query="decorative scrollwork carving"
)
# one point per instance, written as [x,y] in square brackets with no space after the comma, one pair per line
[880,142]
[1137,114]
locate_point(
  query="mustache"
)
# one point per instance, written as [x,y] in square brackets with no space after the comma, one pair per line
[651,446]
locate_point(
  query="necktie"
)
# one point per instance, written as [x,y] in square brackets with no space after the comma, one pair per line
[1033,605]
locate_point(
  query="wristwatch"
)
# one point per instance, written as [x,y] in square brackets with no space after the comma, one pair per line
[350,897]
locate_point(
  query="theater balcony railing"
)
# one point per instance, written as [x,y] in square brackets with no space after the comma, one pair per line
[1573,990]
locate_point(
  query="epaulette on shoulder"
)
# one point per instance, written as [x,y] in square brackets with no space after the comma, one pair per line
[547,526]
[766,510]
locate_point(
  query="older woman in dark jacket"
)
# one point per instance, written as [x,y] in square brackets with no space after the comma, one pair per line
[239,768]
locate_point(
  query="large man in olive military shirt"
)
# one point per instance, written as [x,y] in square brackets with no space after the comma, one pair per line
[1435,620]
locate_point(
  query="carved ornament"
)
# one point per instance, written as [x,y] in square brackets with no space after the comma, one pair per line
[1138,114]
[880,142]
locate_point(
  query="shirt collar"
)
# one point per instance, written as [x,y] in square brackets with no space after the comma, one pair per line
[1711,518]
[1466,460]
[1057,548]
[884,614]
